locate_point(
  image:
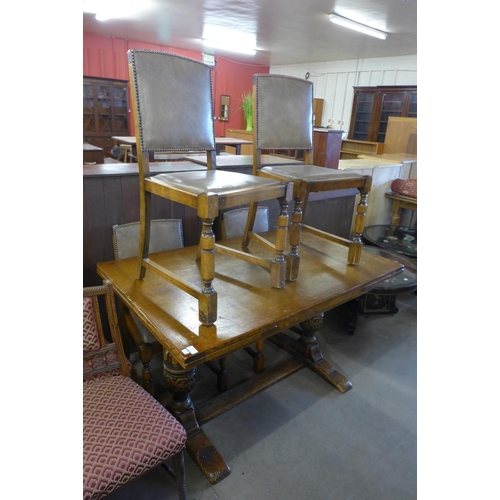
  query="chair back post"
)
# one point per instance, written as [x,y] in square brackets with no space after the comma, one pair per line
[106,289]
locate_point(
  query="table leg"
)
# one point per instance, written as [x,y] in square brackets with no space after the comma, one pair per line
[308,350]
[395,213]
[180,382]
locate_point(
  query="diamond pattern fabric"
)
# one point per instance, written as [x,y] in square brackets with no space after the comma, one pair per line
[126,432]
[90,332]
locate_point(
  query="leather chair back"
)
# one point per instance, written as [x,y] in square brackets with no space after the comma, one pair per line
[162,100]
[166,234]
[284,112]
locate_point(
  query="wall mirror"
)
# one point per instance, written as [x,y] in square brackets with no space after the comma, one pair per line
[224,108]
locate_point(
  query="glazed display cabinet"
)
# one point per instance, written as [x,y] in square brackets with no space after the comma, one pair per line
[105,111]
[372,107]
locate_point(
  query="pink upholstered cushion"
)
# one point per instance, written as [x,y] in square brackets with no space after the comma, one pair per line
[126,432]
[90,332]
[406,187]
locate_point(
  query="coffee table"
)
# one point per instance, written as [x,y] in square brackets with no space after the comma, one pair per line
[397,239]
[382,298]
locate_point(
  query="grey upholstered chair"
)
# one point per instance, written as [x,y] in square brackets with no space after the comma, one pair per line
[126,432]
[233,226]
[283,119]
[166,234]
[172,107]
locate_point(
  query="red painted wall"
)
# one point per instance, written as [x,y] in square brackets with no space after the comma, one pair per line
[106,57]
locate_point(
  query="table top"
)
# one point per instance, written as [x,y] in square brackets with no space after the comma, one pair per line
[230,141]
[160,167]
[229,161]
[223,141]
[399,283]
[248,308]
[400,197]
[347,164]
[394,157]
[91,147]
[397,239]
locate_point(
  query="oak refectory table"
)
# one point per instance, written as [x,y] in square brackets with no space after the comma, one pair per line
[249,310]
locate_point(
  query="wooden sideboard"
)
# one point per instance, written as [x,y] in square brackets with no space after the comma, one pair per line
[246,149]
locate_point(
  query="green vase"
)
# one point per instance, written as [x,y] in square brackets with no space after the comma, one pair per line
[249,123]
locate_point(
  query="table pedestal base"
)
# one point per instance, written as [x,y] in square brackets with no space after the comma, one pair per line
[179,383]
[307,349]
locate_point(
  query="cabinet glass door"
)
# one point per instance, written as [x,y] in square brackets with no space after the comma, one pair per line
[412,106]
[391,105]
[88,108]
[120,108]
[104,108]
[364,108]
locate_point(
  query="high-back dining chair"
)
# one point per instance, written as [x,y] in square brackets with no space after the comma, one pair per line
[126,432]
[125,152]
[233,226]
[166,234]
[172,107]
[283,119]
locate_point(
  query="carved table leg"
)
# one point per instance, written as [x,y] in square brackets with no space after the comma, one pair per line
[307,349]
[179,382]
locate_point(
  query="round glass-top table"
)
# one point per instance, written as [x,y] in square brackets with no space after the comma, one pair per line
[382,298]
[398,239]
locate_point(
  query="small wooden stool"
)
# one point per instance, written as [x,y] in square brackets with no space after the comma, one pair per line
[399,202]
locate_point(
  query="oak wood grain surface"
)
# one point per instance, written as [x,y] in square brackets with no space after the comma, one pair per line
[248,308]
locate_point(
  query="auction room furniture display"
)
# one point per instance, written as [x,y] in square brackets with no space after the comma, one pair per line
[249,310]
[105,110]
[172,106]
[280,125]
[372,107]
[117,445]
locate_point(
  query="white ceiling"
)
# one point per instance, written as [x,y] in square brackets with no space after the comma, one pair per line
[287,31]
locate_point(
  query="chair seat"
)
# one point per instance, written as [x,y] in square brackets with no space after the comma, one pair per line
[309,173]
[218,182]
[119,419]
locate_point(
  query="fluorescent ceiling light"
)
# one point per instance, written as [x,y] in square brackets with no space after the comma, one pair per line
[231,48]
[230,39]
[347,23]
[108,9]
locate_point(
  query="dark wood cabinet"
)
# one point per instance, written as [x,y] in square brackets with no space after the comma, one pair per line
[372,107]
[327,146]
[105,111]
